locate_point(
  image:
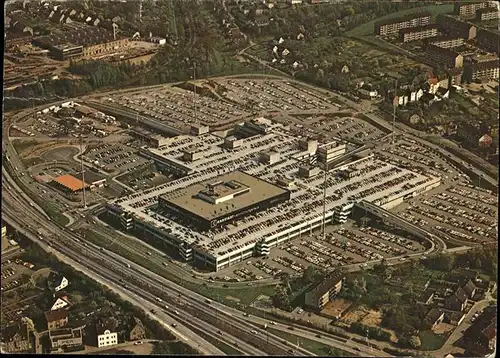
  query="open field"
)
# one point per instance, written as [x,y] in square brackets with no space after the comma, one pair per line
[367,28]
[336,307]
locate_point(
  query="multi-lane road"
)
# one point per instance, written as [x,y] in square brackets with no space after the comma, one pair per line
[172,304]
[183,307]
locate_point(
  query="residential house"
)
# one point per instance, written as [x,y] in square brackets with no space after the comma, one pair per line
[433,84]
[321,293]
[457,301]
[18,338]
[345,69]
[434,317]
[456,318]
[106,333]
[137,330]
[262,21]
[61,302]
[66,339]
[480,338]
[455,75]
[416,95]
[442,93]
[56,319]
[426,297]
[58,283]
[470,289]
[368,94]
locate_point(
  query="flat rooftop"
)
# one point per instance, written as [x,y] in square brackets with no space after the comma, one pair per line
[223,195]
[377,180]
[70,182]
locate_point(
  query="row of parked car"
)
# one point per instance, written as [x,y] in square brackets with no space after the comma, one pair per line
[451,221]
[453,210]
[466,204]
[490,200]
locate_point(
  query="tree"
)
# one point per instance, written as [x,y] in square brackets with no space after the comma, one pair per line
[414,342]
[281,299]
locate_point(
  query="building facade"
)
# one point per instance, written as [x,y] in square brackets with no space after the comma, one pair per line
[488,40]
[482,70]
[447,41]
[392,26]
[418,33]
[19,338]
[324,291]
[469,9]
[56,319]
[107,338]
[66,339]
[456,27]
[444,57]
[487,14]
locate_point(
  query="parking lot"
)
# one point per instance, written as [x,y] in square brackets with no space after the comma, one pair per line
[336,125]
[144,177]
[70,120]
[341,246]
[115,158]
[463,212]
[223,102]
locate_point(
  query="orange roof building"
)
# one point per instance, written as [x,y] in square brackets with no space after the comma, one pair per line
[69,182]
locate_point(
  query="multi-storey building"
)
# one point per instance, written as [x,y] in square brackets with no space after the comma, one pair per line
[78,40]
[481,70]
[444,56]
[106,333]
[486,14]
[447,41]
[330,151]
[418,33]
[468,9]
[456,27]
[392,26]
[324,291]
[19,338]
[488,40]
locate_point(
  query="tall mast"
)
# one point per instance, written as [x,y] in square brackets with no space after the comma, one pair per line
[394,105]
[83,172]
[324,197]
[194,93]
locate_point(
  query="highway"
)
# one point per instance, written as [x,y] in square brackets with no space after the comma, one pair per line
[143,287]
[148,285]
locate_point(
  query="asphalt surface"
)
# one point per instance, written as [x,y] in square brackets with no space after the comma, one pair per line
[107,266]
[19,207]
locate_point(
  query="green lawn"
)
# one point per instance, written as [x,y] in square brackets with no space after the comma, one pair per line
[22,145]
[317,348]
[431,341]
[368,27]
